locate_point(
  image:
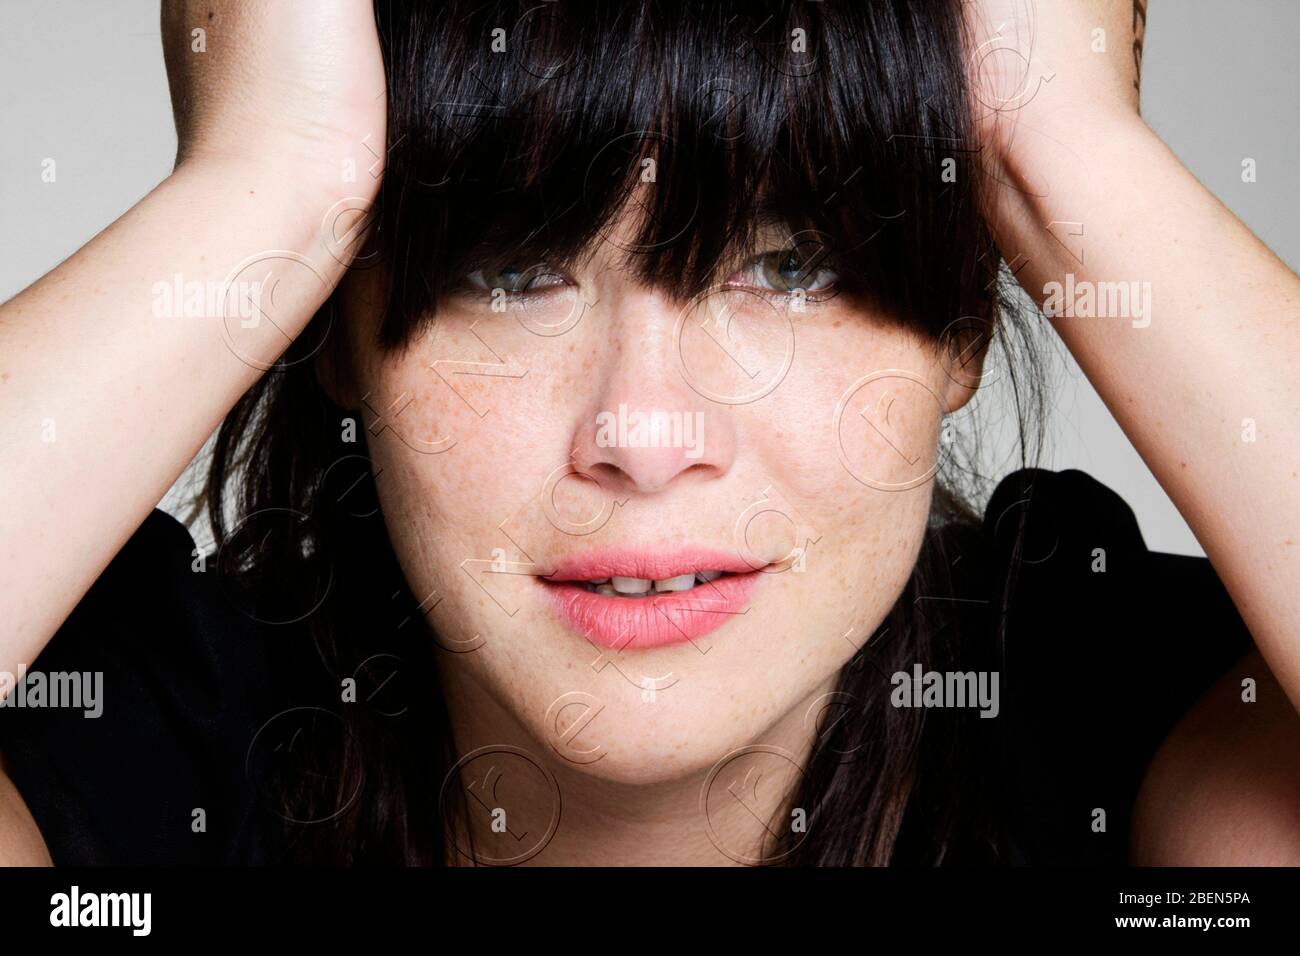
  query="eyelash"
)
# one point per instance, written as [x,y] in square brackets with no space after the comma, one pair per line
[477,281]
[772,257]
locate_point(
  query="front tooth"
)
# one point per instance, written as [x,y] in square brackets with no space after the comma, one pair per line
[606,590]
[683,582]
[597,582]
[630,585]
[707,576]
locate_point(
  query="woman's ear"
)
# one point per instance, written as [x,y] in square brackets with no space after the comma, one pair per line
[963,347]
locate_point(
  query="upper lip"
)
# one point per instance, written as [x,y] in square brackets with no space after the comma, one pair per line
[655,564]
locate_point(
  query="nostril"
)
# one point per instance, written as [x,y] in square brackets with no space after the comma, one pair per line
[604,473]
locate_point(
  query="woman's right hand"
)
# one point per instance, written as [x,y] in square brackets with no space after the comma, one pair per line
[299,85]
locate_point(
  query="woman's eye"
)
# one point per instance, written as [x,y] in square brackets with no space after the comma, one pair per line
[786,271]
[514,280]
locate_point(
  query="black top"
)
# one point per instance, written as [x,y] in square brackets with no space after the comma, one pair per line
[199,706]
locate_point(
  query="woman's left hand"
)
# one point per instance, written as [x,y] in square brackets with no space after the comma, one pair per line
[1185,323]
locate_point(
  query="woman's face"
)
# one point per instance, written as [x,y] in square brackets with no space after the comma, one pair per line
[590,428]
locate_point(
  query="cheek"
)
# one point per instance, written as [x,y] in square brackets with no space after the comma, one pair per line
[454,421]
[852,439]
[862,408]
[853,432]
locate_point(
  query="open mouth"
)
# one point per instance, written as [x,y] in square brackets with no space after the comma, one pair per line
[636,588]
[633,599]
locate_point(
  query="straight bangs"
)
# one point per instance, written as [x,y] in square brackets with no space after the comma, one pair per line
[522,134]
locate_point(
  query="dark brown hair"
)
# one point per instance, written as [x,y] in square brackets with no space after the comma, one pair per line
[832,118]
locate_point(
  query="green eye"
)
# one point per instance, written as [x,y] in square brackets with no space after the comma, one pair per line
[509,278]
[788,270]
[515,280]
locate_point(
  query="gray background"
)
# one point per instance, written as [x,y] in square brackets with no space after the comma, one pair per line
[82,82]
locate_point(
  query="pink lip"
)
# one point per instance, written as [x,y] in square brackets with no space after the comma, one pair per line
[672,617]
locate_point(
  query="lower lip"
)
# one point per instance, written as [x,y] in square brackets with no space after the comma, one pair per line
[670,617]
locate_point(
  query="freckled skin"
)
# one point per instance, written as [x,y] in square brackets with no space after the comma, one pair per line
[753,679]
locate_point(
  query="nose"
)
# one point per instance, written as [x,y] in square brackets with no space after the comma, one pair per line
[644,429]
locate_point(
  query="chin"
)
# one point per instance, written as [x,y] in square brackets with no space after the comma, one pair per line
[645,744]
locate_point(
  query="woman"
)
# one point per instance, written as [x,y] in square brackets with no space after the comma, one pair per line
[589,485]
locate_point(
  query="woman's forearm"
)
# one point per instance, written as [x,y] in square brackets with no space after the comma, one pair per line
[116,366]
[1188,327]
